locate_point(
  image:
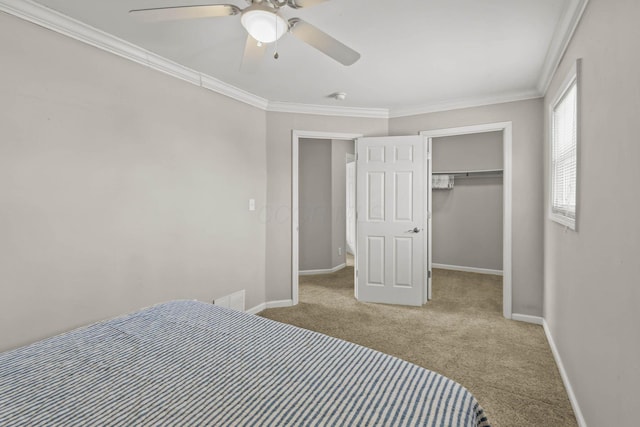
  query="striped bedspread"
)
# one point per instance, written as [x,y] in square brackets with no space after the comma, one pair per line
[191,363]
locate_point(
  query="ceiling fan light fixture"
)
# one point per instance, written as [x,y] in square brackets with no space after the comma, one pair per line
[263,24]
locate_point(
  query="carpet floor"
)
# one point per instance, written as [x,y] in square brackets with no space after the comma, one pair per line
[507,365]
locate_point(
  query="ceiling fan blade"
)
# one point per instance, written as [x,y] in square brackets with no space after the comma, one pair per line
[323,42]
[185,12]
[299,4]
[253,54]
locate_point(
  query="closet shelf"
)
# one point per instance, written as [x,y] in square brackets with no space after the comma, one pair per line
[471,173]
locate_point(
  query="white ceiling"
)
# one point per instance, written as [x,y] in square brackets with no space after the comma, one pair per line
[414,52]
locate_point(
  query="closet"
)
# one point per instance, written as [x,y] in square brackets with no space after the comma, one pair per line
[467,202]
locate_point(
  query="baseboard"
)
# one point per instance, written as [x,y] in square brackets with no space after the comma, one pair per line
[270,304]
[536,320]
[257,309]
[565,377]
[280,303]
[468,269]
[326,271]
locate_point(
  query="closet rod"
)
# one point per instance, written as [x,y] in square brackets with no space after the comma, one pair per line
[472,173]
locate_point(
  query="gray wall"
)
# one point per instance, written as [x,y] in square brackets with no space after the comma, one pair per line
[120,187]
[315,204]
[592,276]
[277,214]
[527,118]
[467,220]
[339,151]
[322,202]
[478,151]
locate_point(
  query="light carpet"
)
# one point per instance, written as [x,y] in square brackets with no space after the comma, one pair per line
[461,334]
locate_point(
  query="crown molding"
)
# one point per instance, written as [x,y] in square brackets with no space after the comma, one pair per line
[327,110]
[63,24]
[466,103]
[560,42]
[238,94]
[60,23]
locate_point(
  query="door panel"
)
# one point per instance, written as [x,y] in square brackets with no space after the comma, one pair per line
[375,260]
[403,196]
[375,154]
[403,261]
[375,196]
[391,204]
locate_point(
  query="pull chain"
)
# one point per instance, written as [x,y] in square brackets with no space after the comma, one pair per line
[276,55]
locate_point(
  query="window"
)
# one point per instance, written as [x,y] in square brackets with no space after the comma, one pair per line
[564,152]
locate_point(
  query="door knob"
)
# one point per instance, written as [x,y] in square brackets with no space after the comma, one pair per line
[415,230]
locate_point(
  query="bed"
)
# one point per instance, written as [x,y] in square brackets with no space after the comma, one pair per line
[192,363]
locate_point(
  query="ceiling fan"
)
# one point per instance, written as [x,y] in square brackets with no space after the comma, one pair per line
[264,25]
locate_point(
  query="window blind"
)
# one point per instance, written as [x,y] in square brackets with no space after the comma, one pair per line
[564,155]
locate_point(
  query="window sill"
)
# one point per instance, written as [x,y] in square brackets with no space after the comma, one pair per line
[564,221]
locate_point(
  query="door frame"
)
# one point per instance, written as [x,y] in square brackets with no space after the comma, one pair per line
[296,135]
[507,202]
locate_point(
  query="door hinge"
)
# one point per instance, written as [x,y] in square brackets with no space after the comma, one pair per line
[429,274]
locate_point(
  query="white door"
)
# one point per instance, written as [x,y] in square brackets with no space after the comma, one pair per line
[391,235]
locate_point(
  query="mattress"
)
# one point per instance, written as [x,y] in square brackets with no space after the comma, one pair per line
[192,363]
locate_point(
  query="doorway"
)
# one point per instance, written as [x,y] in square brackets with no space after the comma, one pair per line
[505,172]
[350,214]
[334,254]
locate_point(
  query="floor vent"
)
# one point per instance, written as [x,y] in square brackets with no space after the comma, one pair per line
[234,301]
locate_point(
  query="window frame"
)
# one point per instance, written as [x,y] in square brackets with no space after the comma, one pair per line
[573,77]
